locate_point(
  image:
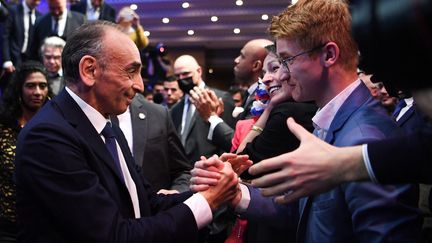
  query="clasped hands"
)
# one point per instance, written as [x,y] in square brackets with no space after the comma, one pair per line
[216,178]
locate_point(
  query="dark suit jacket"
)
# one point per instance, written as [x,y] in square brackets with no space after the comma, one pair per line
[43,29]
[197,143]
[403,159]
[223,133]
[157,147]
[412,120]
[106,13]
[13,35]
[69,190]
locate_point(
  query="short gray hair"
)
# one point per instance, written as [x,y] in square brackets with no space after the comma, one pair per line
[53,41]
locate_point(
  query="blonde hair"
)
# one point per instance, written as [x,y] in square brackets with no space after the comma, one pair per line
[315,22]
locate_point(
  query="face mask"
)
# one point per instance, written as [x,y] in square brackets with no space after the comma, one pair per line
[186,84]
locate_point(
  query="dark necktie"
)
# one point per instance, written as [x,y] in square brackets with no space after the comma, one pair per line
[110,143]
[30,21]
[55,29]
[400,105]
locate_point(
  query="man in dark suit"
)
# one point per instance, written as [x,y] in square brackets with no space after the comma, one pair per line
[76,178]
[58,22]
[95,10]
[156,145]
[247,69]
[18,30]
[192,128]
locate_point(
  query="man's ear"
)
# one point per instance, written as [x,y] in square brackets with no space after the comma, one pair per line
[257,66]
[87,70]
[330,54]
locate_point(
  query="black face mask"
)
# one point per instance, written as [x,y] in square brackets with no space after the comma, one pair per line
[186,84]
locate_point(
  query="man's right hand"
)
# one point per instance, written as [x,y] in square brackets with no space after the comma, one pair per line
[225,191]
[10,69]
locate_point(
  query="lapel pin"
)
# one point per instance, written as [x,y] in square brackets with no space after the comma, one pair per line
[141,116]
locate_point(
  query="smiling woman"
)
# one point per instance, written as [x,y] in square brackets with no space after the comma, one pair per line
[25,95]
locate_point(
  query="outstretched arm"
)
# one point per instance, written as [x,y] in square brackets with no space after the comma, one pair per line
[312,168]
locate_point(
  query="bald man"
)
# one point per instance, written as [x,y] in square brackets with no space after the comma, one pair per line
[247,71]
[192,128]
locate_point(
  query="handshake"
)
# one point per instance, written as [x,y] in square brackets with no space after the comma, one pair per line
[217,178]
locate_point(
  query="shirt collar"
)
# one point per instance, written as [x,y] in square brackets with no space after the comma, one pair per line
[252,88]
[325,115]
[96,119]
[90,6]
[26,7]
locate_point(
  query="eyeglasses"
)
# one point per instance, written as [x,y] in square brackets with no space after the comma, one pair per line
[290,60]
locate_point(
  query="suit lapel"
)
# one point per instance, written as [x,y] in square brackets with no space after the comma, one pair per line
[20,19]
[76,117]
[358,97]
[176,114]
[139,123]
[406,116]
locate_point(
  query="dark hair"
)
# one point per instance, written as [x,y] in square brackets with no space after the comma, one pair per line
[85,40]
[170,79]
[271,48]
[233,90]
[10,109]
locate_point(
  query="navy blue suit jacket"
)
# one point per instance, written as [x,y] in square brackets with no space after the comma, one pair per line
[106,12]
[13,35]
[68,189]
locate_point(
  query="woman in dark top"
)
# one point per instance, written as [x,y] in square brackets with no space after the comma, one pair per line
[270,135]
[24,96]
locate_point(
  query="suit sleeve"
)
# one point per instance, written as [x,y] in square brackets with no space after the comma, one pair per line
[403,159]
[265,209]
[57,170]
[7,31]
[222,136]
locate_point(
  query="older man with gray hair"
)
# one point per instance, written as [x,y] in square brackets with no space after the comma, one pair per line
[51,50]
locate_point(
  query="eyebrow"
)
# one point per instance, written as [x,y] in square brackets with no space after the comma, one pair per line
[134,65]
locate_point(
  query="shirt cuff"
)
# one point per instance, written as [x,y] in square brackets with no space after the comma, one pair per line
[200,209]
[368,164]
[244,201]
[214,121]
[7,64]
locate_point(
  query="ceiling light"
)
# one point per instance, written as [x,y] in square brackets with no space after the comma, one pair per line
[214,18]
[146,33]
[190,32]
[264,17]
[133,7]
[165,20]
[239,2]
[210,70]
[236,31]
[185,5]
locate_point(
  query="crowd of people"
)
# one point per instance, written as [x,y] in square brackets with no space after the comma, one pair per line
[296,151]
